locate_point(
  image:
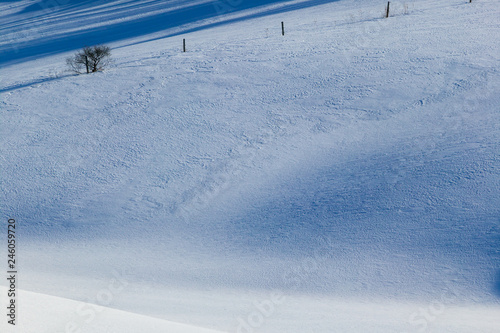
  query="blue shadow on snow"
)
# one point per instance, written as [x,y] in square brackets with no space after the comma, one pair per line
[64,42]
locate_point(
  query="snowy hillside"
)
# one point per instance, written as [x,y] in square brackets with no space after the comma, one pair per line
[344,177]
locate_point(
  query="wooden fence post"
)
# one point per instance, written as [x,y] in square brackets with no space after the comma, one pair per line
[183,45]
[387,13]
[282,28]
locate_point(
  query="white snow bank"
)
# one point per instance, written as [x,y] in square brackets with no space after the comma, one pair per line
[38,313]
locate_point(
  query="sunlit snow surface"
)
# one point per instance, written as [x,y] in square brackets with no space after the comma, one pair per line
[344,177]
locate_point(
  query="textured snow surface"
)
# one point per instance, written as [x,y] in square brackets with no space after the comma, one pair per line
[344,177]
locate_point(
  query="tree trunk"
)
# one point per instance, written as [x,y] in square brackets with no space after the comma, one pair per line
[87,64]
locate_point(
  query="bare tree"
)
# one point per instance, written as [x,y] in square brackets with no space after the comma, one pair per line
[92,59]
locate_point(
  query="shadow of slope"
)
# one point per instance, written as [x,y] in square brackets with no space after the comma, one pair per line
[381,202]
[497,284]
[34,82]
[384,208]
[67,41]
[78,10]
[59,5]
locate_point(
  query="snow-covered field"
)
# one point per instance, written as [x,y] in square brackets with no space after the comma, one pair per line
[344,177]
